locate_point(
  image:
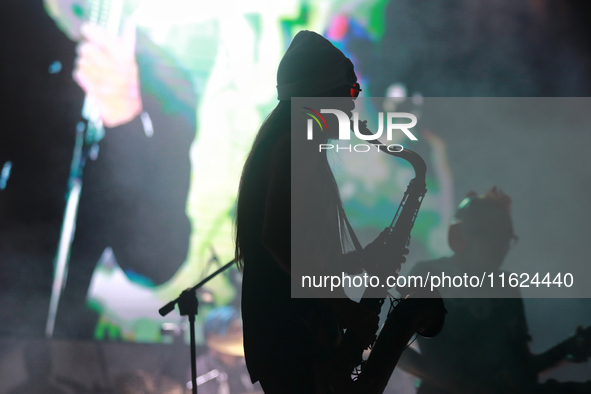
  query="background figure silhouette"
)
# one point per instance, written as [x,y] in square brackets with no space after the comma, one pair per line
[483,347]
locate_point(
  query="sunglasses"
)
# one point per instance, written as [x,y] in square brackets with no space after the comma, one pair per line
[355,89]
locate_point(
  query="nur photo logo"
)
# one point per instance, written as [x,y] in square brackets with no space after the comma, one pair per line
[344,128]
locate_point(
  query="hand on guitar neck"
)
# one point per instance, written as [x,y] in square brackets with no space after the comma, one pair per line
[576,349]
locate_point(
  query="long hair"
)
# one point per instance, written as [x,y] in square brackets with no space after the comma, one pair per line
[252,193]
[252,190]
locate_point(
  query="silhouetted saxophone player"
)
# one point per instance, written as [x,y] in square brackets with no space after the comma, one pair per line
[295,345]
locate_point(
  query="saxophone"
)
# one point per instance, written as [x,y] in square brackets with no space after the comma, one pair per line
[411,315]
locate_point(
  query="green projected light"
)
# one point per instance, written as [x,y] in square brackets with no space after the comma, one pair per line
[231,50]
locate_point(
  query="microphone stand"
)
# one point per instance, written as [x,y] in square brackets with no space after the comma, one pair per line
[188,306]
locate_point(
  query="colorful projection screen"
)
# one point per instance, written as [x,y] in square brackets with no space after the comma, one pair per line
[129,122]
